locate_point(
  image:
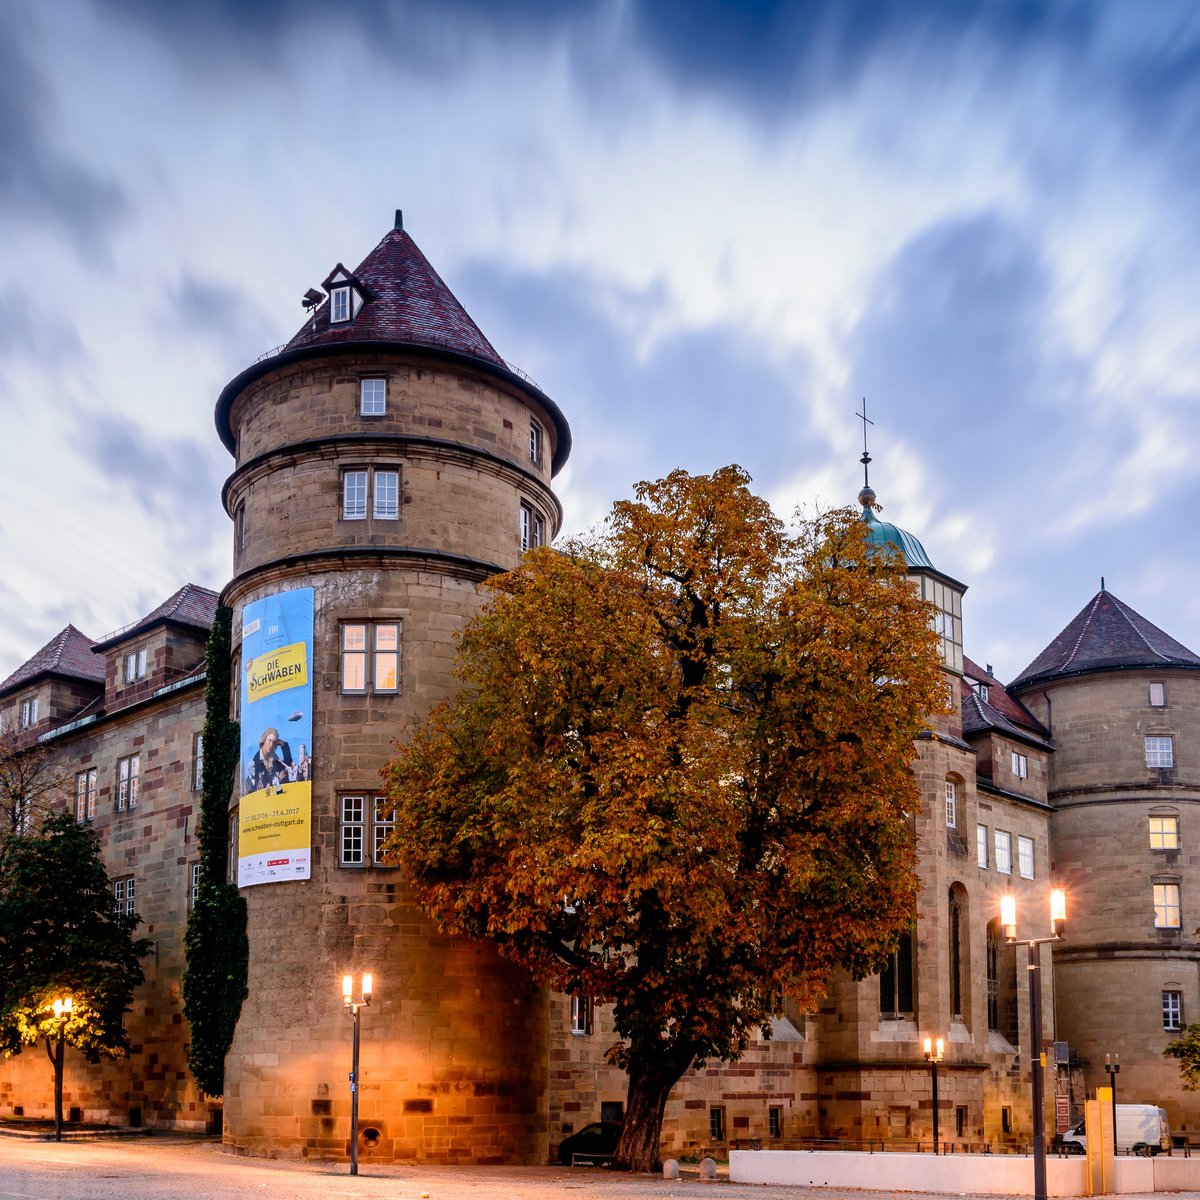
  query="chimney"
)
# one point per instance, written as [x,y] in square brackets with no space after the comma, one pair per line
[399,219]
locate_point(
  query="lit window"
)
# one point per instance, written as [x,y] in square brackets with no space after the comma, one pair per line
[1025,857]
[1003,856]
[354,496]
[535,441]
[363,826]
[372,397]
[339,305]
[581,1014]
[198,762]
[951,803]
[1164,833]
[1158,695]
[1020,765]
[29,712]
[981,845]
[1172,1010]
[532,528]
[123,898]
[128,780]
[85,795]
[371,657]
[1166,906]
[1160,752]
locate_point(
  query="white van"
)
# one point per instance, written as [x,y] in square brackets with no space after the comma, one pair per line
[1141,1129]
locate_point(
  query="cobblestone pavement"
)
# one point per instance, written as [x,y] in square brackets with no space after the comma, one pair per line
[176,1168]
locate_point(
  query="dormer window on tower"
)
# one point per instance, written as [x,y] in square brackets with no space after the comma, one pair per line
[346,295]
[339,305]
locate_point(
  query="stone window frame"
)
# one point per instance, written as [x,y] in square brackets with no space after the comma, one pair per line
[135,664]
[1157,694]
[536,441]
[124,889]
[717,1125]
[1020,765]
[376,492]
[951,797]
[532,527]
[983,845]
[372,401]
[369,656]
[1002,851]
[129,781]
[1167,831]
[362,829]
[1168,903]
[197,761]
[898,981]
[29,712]
[85,795]
[1160,751]
[1172,1009]
[1025,854]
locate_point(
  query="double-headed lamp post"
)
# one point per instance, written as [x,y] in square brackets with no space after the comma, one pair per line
[1058,922]
[62,1014]
[935,1049]
[352,1006]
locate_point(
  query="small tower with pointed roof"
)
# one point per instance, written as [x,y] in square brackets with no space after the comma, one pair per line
[390,460]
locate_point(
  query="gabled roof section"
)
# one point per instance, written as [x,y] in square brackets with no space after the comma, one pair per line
[1001,709]
[67,654]
[192,605]
[406,301]
[1106,635]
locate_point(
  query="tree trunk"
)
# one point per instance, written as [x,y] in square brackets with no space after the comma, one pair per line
[651,1078]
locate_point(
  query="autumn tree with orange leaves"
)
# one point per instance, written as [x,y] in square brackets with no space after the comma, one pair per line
[677,777]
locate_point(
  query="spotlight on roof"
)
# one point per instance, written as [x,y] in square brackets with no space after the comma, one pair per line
[311,298]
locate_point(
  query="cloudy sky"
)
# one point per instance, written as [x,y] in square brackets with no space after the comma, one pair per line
[706,229]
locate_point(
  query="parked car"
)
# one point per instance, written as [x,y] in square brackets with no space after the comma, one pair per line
[592,1144]
[1141,1129]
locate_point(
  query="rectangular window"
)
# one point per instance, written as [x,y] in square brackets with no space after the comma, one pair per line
[85,795]
[362,823]
[354,496]
[1166,906]
[1025,857]
[194,884]
[775,1121]
[1020,765]
[532,528]
[896,982]
[951,804]
[581,1014]
[123,898]
[371,657]
[1164,833]
[716,1123]
[135,665]
[535,441]
[128,780]
[1160,752]
[387,496]
[372,397]
[29,712]
[981,845]
[339,305]
[197,762]
[1003,856]
[1006,1121]
[960,1120]
[1158,695]
[1172,1008]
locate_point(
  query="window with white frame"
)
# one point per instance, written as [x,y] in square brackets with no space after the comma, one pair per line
[232,849]
[123,897]
[85,795]
[364,822]
[533,528]
[1020,765]
[339,305]
[135,665]
[1166,906]
[1172,1009]
[193,884]
[1158,695]
[372,397]
[371,489]
[1003,854]
[29,712]
[371,656]
[947,619]
[1160,752]
[1164,832]
[982,839]
[535,441]
[1025,857]
[951,803]
[197,762]
[581,1014]
[128,781]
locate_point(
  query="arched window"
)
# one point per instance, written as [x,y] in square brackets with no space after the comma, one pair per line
[1001,984]
[956,928]
[896,982]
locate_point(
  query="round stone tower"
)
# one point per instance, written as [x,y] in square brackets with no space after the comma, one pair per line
[1121,700]
[387,462]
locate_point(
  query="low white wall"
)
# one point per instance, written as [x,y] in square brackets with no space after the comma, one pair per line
[983,1174]
[1174,1174]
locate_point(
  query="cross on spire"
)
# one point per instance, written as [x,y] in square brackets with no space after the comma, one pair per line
[866,458]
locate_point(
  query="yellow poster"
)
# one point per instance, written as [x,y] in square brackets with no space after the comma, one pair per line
[276,671]
[274,834]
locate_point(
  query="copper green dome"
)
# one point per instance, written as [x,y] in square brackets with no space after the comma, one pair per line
[883,533]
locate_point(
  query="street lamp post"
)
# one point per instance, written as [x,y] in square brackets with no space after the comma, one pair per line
[62,1014]
[1112,1066]
[1058,921]
[935,1049]
[353,1006]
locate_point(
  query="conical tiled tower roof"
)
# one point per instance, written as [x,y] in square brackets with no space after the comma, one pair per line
[68,653]
[1106,635]
[405,301]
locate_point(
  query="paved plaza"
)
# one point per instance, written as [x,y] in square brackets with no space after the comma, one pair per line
[178,1168]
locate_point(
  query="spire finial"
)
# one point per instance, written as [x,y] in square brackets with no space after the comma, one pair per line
[867,496]
[1102,588]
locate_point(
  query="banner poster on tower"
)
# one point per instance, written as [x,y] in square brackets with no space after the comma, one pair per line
[275,811]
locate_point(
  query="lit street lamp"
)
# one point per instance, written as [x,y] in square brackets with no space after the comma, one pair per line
[934,1051]
[353,1006]
[62,1014]
[1112,1067]
[1058,921]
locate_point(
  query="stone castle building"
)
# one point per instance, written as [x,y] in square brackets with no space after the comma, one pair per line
[386,461]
